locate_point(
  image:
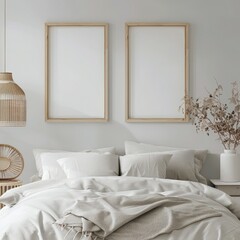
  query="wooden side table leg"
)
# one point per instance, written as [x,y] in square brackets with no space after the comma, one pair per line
[1,192]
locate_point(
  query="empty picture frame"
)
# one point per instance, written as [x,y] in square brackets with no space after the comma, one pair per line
[156,71]
[76,72]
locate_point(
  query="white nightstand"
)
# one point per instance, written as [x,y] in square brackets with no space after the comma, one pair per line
[8,184]
[231,188]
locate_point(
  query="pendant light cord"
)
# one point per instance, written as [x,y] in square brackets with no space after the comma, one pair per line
[5,35]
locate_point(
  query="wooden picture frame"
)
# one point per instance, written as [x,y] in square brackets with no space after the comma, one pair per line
[156,71]
[76,72]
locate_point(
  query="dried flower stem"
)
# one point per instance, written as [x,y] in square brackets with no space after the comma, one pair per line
[210,114]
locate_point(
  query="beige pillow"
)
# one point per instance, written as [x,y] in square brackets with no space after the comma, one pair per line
[145,165]
[193,165]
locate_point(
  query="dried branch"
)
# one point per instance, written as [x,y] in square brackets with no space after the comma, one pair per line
[211,115]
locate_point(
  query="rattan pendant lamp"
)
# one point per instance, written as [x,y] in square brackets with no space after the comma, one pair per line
[12,114]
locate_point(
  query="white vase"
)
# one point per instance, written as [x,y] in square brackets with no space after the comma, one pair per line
[230,166]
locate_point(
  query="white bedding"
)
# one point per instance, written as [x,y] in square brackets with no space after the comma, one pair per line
[36,207]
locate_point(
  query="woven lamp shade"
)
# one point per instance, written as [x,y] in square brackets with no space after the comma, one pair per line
[12,102]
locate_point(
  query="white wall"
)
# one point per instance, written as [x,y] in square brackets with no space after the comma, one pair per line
[214,53]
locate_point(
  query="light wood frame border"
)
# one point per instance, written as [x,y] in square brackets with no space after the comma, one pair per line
[47,118]
[127,70]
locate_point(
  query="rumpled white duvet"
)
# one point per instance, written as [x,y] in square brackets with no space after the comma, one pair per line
[117,208]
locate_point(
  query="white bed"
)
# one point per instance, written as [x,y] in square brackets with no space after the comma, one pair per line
[160,195]
[33,210]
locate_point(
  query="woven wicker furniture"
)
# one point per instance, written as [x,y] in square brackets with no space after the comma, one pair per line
[7,185]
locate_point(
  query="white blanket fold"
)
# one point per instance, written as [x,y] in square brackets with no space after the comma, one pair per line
[118,208]
[99,217]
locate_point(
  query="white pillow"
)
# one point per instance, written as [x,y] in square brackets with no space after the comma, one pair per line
[192,166]
[50,166]
[144,165]
[90,164]
[37,155]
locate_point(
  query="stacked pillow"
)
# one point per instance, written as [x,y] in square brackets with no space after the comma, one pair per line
[145,165]
[102,162]
[141,160]
[90,164]
[184,164]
